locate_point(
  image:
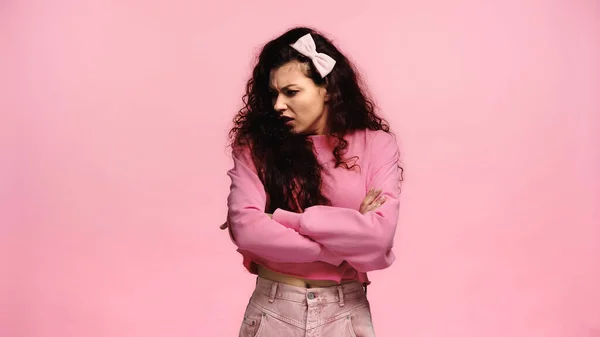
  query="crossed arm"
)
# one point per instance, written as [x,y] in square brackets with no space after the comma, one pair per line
[372,201]
[364,240]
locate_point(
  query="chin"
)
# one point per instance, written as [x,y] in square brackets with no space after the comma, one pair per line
[291,129]
[295,130]
[301,132]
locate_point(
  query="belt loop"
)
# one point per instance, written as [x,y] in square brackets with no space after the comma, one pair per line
[273,292]
[341,295]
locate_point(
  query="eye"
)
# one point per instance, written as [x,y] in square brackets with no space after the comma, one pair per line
[291,93]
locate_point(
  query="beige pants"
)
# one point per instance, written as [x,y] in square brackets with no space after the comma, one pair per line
[281,310]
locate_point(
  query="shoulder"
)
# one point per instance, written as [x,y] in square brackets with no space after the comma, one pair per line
[373,146]
[242,154]
[382,149]
[380,136]
[374,140]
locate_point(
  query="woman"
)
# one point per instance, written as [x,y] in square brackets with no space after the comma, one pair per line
[313,201]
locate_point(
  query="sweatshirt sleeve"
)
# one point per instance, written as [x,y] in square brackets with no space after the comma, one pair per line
[252,230]
[364,240]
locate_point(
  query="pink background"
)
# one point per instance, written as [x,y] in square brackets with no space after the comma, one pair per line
[113,165]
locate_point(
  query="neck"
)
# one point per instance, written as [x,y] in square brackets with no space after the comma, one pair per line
[323,124]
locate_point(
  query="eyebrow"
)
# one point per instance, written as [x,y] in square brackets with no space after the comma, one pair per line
[286,87]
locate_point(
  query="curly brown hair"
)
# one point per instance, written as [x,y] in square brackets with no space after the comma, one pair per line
[285,161]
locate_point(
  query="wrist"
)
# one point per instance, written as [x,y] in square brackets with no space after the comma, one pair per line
[287,218]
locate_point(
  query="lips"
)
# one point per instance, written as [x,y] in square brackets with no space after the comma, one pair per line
[286,120]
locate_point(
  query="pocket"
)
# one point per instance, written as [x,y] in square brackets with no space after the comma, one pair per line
[359,323]
[252,322]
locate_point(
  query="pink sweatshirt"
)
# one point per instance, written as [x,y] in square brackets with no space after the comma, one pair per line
[324,242]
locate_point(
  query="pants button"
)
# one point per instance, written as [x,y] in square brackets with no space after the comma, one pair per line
[311,296]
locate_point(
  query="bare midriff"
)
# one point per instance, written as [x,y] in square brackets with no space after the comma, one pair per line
[274,276]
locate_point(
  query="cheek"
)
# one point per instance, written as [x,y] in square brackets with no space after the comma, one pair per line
[311,109]
[307,109]
[309,115]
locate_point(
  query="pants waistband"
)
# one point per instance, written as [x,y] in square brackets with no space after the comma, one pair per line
[333,294]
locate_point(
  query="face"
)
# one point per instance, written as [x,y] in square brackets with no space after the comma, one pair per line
[298,98]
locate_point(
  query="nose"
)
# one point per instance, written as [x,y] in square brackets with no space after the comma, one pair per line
[280,105]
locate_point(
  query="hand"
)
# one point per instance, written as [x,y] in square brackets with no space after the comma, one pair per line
[372,201]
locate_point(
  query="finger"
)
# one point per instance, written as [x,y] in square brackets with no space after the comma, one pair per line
[371,208]
[376,204]
[381,200]
[367,198]
[371,196]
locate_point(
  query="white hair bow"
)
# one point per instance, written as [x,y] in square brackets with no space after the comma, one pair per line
[306,46]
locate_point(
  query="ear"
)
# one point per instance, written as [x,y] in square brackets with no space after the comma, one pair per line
[325,93]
